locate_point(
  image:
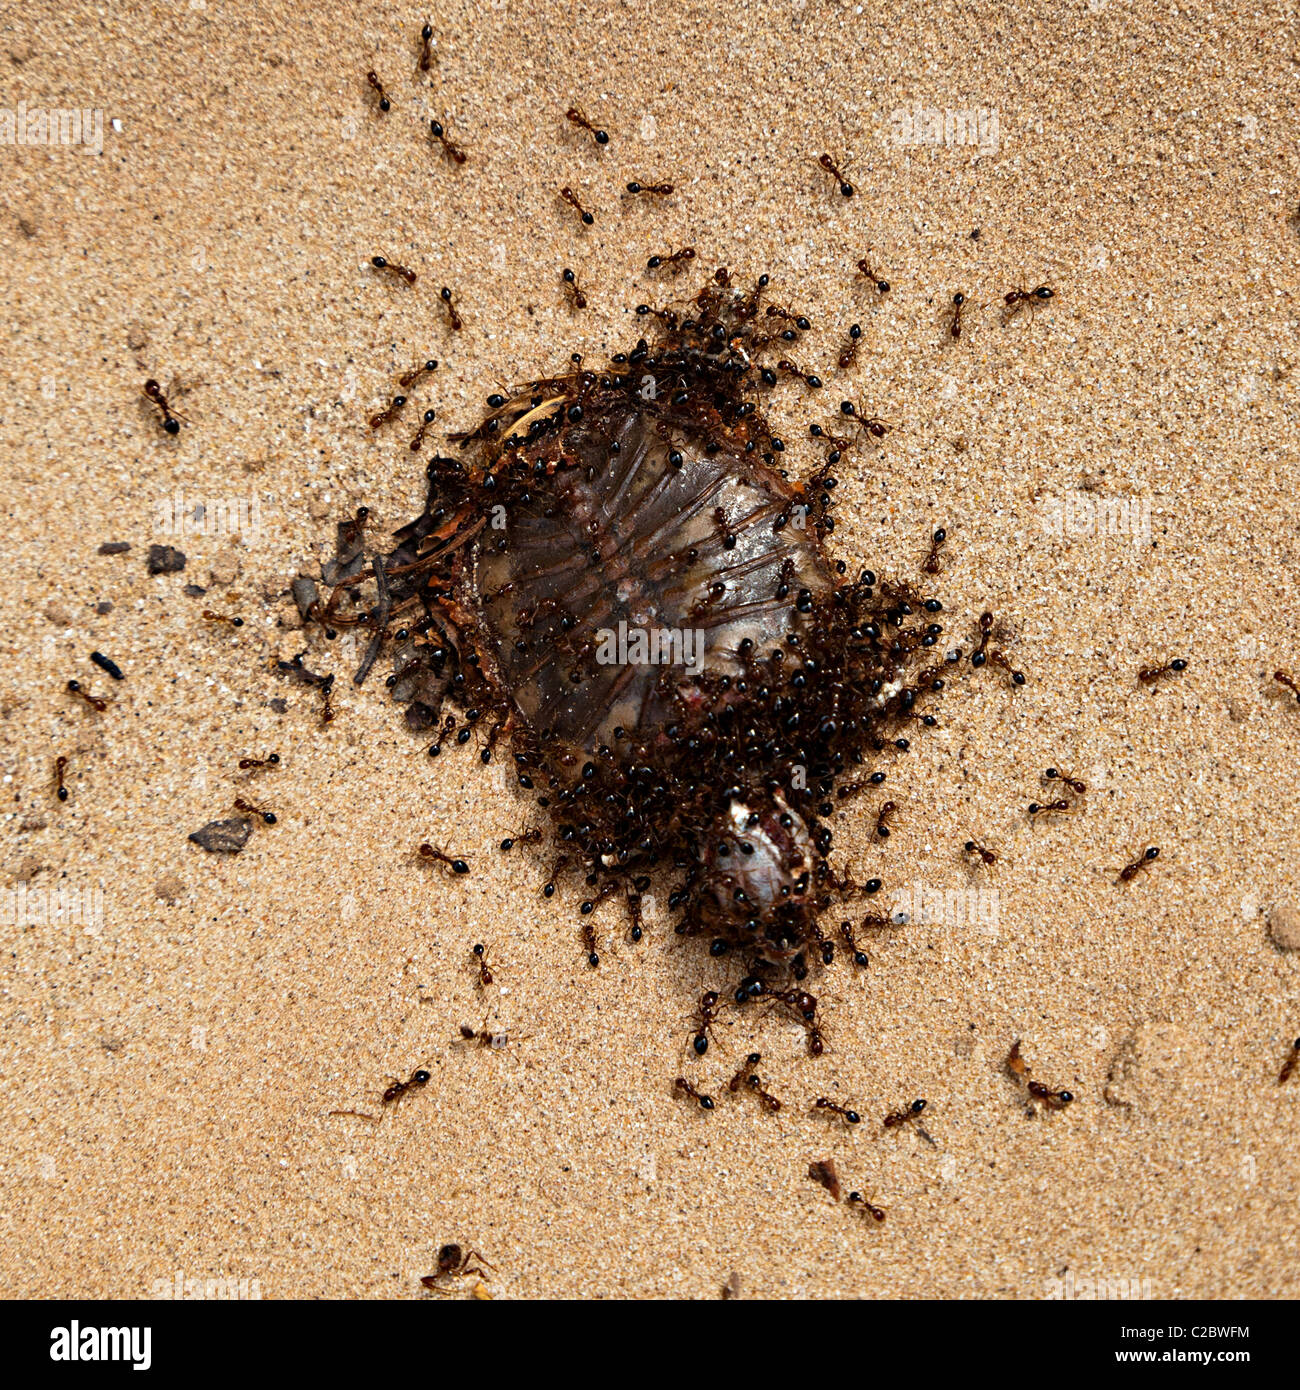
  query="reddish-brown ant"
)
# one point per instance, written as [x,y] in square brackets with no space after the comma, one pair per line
[1147,856]
[1054,1100]
[529,835]
[457,866]
[419,1078]
[457,323]
[809,379]
[452,151]
[1054,774]
[485,976]
[385,416]
[171,420]
[60,766]
[455,1263]
[746,1076]
[851,1116]
[210,617]
[977,657]
[800,321]
[271,760]
[1036,808]
[823,1172]
[1293,1057]
[575,292]
[856,1199]
[327,710]
[1149,675]
[1018,299]
[827,163]
[427,56]
[683,1087]
[953,317]
[662,189]
[397,272]
[417,374]
[987,855]
[897,1118]
[865,270]
[95,703]
[417,443]
[267,816]
[932,563]
[1290,682]
[706,1016]
[877,429]
[883,817]
[576,116]
[850,351]
[860,957]
[384,103]
[572,199]
[675,259]
[482,1037]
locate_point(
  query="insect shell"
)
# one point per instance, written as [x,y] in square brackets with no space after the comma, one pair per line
[626,593]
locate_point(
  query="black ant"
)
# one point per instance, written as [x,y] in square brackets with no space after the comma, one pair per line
[1054,774]
[851,1116]
[933,564]
[455,1263]
[572,199]
[400,272]
[662,189]
[1149,675]
[575,292]
[1289,681]
[419,1078]
[452,151]
[865,270]
[849,355]
[1293,1057]
[60,766]
[271,760]
[393,411]
[954,315]
[897,1118]
[707,1016]
[457,323]
[417,374]
[429,417]
[384,103]
[1130,871]
[1019,299]
[457,866]
[987,855]
[576,117]
[171,420]
[485,976]
[684,1087]
[427,56]
[95,703]
[676,259]
[827,163]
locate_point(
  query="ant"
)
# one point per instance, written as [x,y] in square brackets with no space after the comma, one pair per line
[977,657]
[987,855]
[662,189]
[746,1076]
[530,835]
[805,1005]
[267,816]
[576,295]
[1054,1100]
[95,703]
[484,1038]
[676,259]
[886,814]
[860,957]
[827,163]
[171,421]
[809,379]
[576,116]
[271,760]
[485,976]
[382,264]
[1036,808]
[684,1087]
[1289,681]
[954,315]
[1149,675]
[877,429]
[850,353]
[856,1199]
[453,152]
[427,56]
[933,564]
[1019,299]
[897,1118]
[417,374]
[455,1263]
[327,710]
[393,411]
[1290,1064]
[823,1172]
[851,1116]
[60,766]
[1130,871]
[457,323]
[210,617]
[419,1078]
[1054,774]
[707,1015]
[457,866]
[800,321]
[384,103]
[999,658]
[418,441]
[571,198]
[865,270]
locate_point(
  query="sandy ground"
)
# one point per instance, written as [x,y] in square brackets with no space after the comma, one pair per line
[170,1065]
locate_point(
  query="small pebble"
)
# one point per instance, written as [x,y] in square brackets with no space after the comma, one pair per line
[224,836]
[1284,925]
[165,559]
